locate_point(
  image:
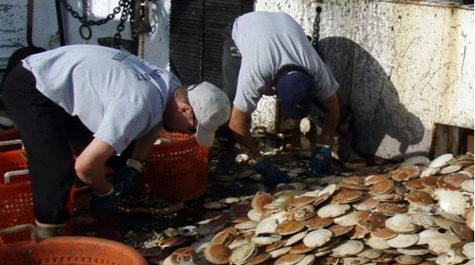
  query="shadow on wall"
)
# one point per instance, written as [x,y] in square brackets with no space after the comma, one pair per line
[366,91]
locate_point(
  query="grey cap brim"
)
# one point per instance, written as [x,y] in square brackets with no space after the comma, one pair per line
[204,137]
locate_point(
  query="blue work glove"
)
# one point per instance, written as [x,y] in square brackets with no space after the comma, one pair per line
[272,175]
[124,180]
[320,161]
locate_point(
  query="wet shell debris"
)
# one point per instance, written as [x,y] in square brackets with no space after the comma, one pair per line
[415,212]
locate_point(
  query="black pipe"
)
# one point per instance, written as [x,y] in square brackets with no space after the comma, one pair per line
[59,16]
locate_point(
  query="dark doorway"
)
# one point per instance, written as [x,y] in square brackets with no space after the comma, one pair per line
[196,41]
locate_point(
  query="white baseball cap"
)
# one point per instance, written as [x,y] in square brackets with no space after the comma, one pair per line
[212,109]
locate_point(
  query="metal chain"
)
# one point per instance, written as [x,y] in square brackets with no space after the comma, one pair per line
[85,29]
[122,20]
[99,22]
[316,27]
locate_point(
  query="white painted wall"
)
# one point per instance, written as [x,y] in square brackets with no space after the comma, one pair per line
[402,67]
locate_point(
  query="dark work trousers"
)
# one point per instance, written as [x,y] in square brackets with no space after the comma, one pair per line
[46,130]
[231,63]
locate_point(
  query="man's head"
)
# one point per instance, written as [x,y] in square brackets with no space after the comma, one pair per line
[296,90]
[199,109]
[212,109]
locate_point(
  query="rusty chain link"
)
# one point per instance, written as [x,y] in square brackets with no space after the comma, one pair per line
[316,27]
[123,5]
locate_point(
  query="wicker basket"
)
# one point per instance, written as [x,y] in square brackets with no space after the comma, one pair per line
[71,251]
[178,169]
[16,202]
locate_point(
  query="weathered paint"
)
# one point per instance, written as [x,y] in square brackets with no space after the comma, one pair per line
[13,14]
[402,67]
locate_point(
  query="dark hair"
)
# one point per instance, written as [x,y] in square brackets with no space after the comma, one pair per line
[285,69]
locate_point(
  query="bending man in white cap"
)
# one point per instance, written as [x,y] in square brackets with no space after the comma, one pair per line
[111,94]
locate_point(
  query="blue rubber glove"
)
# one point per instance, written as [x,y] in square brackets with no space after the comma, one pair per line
[124,180]
[320,162]
[272,175]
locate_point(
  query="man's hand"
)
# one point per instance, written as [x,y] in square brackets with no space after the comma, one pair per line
[320,162]
[272,175]
[124,180]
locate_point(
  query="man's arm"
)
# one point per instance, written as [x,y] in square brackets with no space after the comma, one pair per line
[331,108]
[144,144]
[239,125]
[90,165]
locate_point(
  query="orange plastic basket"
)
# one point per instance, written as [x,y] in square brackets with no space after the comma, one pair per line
[177,170]
[71,251]
[16,202]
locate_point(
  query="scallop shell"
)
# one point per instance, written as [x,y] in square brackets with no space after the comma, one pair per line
[217,254]
[295,238]
[424,220]
[406,173]
[419,197]
[401,223]
[468,185]
[440,244]
[409,260]
[301,248]
[451,201]
[384,233]
[468,250]
[369,253]
[307,260]
[426,235]
[243,254]
[377,243]
[348,248]
[254,216]
[347,196]
[317,222]
[279,252]
[441,160]
[266,225]
[259,258]
[348,219]
[333,210]
[317,238]
[339,230]
[413,251]
[260,200]
[265,239]
[450,169]
[417,161]
[289,259]
[429,172]
[403,240]
[290,227]
[246,225]
[382,187]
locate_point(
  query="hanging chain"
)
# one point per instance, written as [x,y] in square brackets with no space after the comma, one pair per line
[121,27]
[85,28]
[316,27]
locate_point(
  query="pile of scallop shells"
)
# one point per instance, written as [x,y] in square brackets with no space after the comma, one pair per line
[415,212]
